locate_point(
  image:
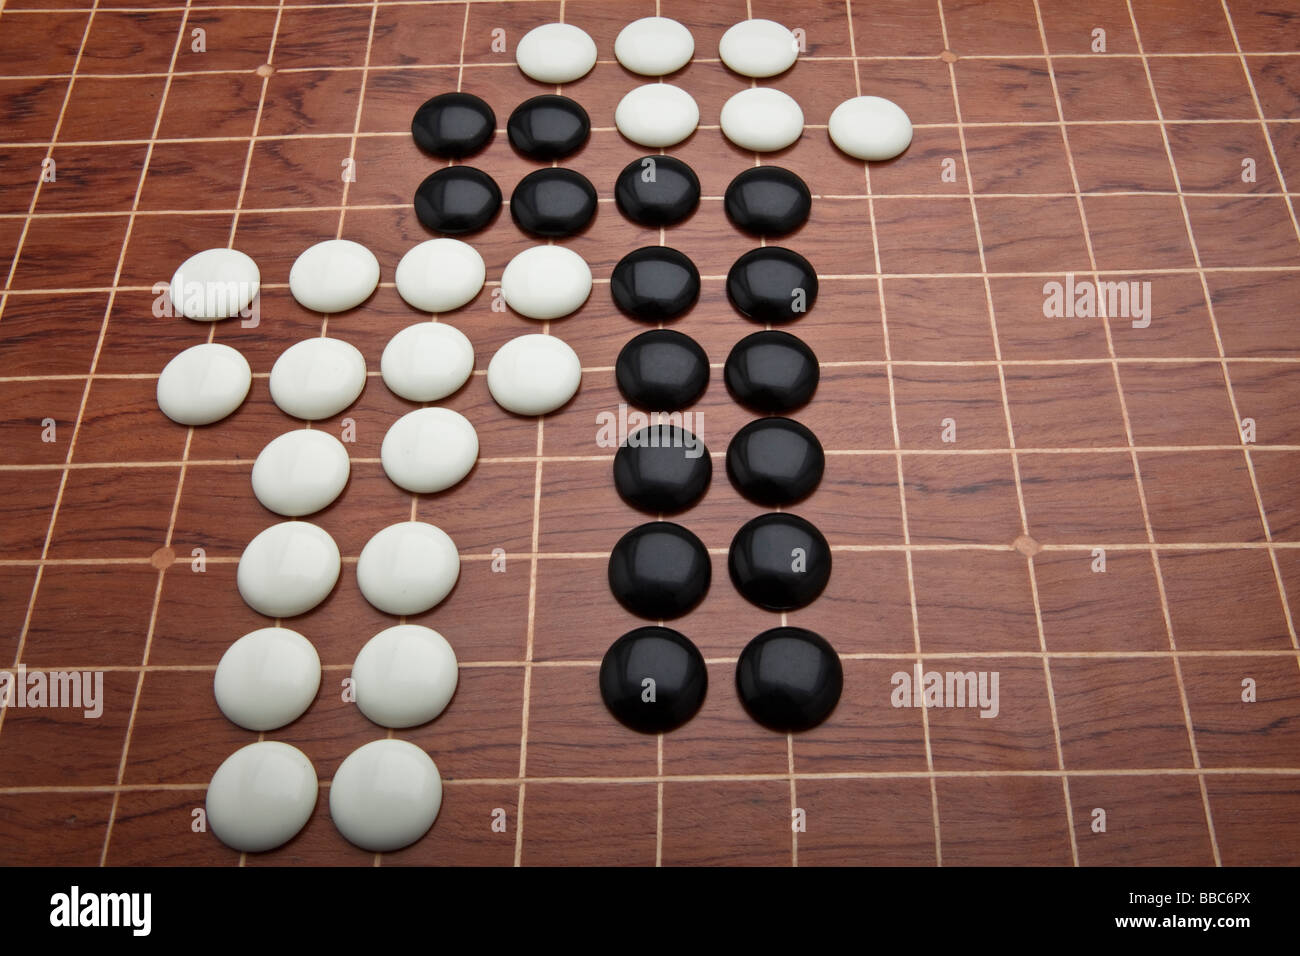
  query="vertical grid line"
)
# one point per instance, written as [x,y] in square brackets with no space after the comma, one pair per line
[189,434]
[898,456]
[1011,442]
[1214,325]
[1282,187]
[13,268]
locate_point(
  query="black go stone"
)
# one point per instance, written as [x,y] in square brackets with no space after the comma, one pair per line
[771,371]
[789,679]
[457,200]
[779,561]
[548,127]
[671,661]
[659,570]
[553,202]
[772,284]
[655,284]
[453,125]
[768,201]
[775,461]
[662,370]
[662,469]
[657,191]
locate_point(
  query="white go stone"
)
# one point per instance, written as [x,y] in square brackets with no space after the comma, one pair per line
[404,676]
[439,275]
[556,53]
[761,119]
[427,361]
[288,569]
[546,282]
[385,795]
[870,128]
[429,449]
[317,378]
[203,384]
[758,48]
[654,46]
[261,796]
[300,472]
[408,568]
[334,276]
[267,678]
[534,374]
[214,284]
[657,115]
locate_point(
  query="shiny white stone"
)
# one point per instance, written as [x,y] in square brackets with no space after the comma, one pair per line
[267,678]
[288,569]
[427,361]
[317,378]
[385,795]
[334,276]
[429,449]
[761,119]
[657,115]
[203,384]
[300,472]
[214,284]
[261,796]
[534,374]
[870,128]
[546,282]
[405,676]
[408,568]
[654,46]
[758,48]
[439,275]
[556,53]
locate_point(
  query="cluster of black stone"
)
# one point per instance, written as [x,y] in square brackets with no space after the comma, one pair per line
[788,678]
[550,203]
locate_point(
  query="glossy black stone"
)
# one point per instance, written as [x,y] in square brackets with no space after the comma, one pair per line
[666,657]
[768,201]
[779,561]
[659,570]
[457,200]
[771,371]
[772,284]
[453,125]
[548,127]
[553,202]
[789,679]
[655,284]
[657,191]
[662,370]
[775,461]
[662,468]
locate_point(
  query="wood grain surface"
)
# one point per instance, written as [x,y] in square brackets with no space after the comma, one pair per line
[1102,510]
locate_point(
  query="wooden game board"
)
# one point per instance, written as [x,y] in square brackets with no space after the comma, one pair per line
[1077,438]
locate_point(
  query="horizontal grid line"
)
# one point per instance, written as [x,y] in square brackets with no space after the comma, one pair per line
[782,777]
[1287,653]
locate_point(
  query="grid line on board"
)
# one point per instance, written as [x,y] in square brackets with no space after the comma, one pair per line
[189,432]
[593,663]
[85,393]
[780,777]
[1218,337]
[540,460]
[1295,224]
[898,467]
[1011,440]
[1128,433]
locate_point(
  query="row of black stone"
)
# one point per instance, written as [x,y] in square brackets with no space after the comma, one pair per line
[660,569]
[787,678]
